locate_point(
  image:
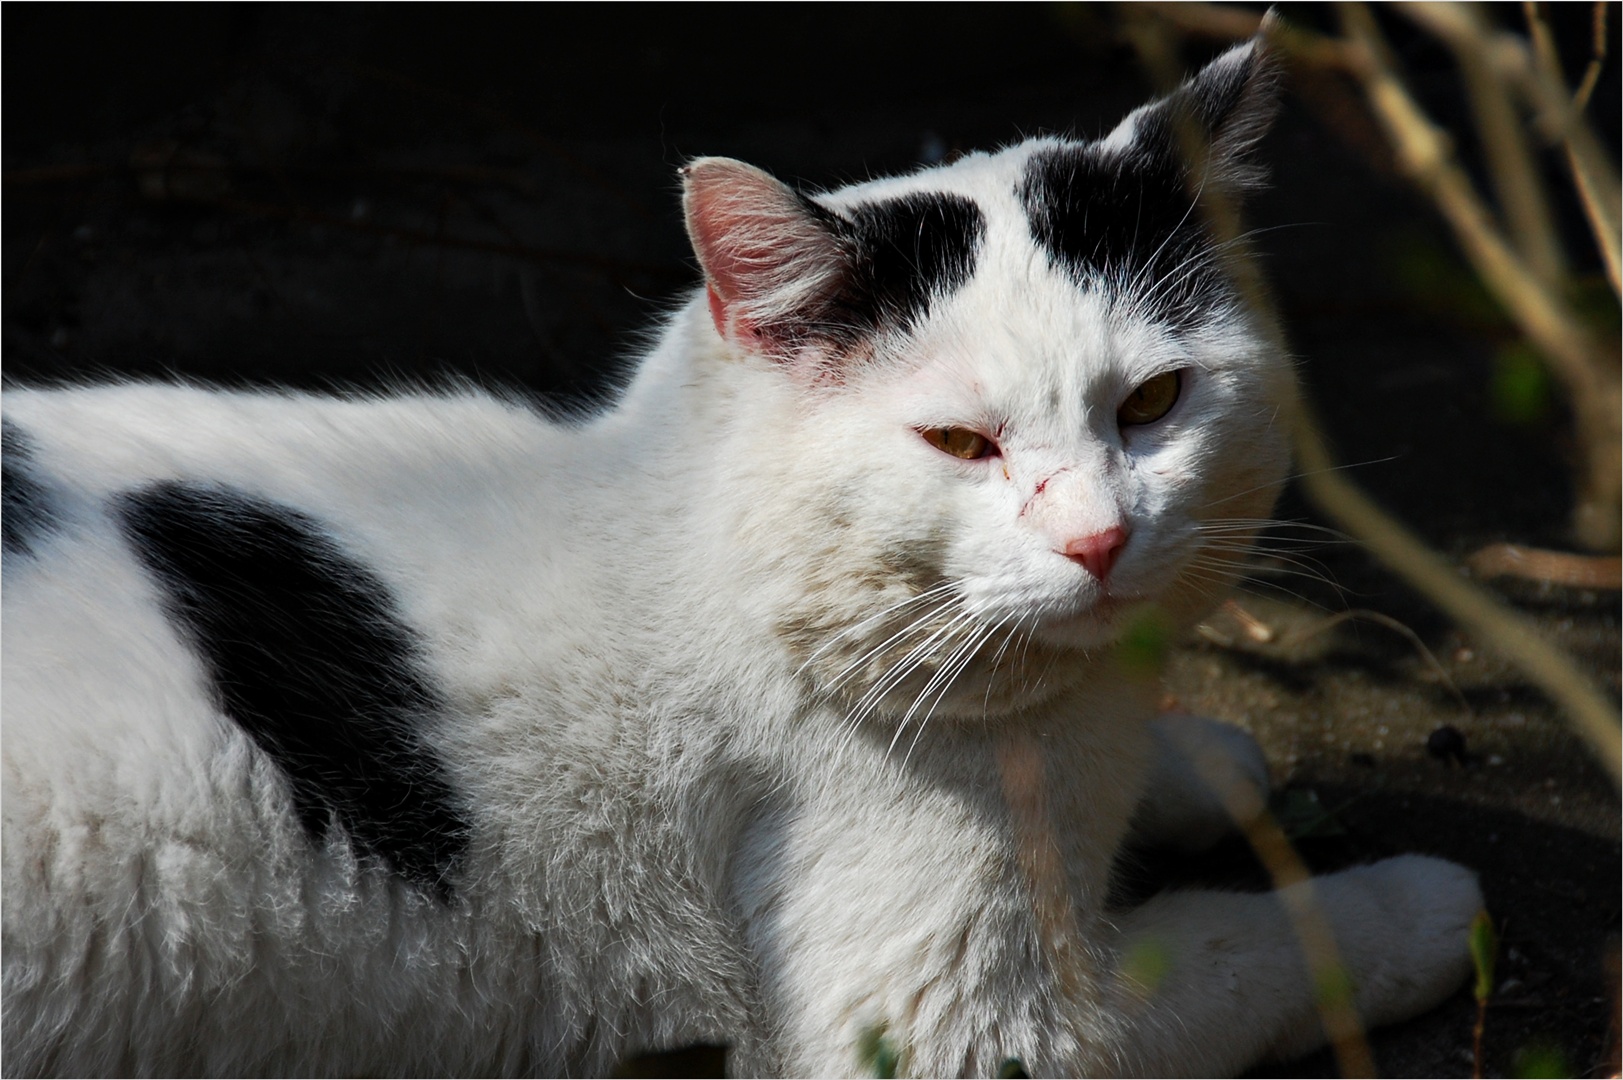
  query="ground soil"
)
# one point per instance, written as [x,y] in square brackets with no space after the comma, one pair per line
[339,198]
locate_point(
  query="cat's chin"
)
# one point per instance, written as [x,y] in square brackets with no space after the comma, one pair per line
[1100,624]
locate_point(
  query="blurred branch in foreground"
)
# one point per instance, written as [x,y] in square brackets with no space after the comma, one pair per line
[1520,102]
[1527,275]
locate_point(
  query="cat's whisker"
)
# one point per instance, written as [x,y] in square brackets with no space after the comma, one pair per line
[1149,264]
[1273,535]
[1297,476]
[920,622]
[967,654]
[921,652]
[1247,569]
[955,665]
[1293,565]
[1226,579]
[1167,283]
[1240,539]
[1209,255]
[1196,262]
[943,677]
[1267,524]
[1014,628]
[997,658]
[942,673]
[932,592]
[1283,552]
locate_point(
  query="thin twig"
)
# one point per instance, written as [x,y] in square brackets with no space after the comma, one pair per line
[1333,998]
[1491,622]
[1511,164]
[1588,371]
[1586,87]
[1333,990]
[1263,634]
[1396,626]
[1427,155]
[1554,567]
[1592,172]
[1237,24]
[1497,626]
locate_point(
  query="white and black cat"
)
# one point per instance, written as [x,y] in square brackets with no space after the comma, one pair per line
[777,705]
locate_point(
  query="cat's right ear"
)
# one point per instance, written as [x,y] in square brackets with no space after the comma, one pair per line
[770,260]
[1214,120]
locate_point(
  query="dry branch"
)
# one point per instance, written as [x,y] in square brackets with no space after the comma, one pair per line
[1592,174]
[1588,369]
[1545,318]
[1510,157]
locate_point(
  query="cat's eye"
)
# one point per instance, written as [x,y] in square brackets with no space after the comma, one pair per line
[959,442]
[1152,400]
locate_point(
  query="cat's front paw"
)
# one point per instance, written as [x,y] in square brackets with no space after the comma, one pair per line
[1406,938]
[1208,777]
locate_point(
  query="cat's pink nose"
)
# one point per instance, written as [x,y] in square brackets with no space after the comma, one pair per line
[1097,553]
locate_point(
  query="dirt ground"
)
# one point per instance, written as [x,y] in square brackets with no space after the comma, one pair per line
[356,197]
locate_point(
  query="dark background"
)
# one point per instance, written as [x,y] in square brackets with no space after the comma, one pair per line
[333,196]
[338,197]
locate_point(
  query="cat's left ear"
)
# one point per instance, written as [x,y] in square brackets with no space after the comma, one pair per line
[1215,119]
[771,261]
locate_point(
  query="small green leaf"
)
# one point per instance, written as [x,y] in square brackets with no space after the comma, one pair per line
[1520,387]
[1303,817]
[1333,987]
[878,1053]
[1484,950]
[1540,1061]
[1145,643]
[1145,963]
[1441,284]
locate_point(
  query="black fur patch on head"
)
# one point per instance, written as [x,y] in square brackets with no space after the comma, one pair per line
[905,252]
[898,256]
[26,513]
[309,656]
[1126,223]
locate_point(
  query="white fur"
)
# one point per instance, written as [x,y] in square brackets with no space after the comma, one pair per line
[703,808]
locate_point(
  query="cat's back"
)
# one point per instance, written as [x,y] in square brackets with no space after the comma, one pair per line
[163,544]
[93,441]
[144,522]
[233,624]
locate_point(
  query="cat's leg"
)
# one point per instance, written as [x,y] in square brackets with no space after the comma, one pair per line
[1223,978]
[888,922]
[1204,773]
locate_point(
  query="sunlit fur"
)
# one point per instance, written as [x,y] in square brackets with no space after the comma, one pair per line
[732,675]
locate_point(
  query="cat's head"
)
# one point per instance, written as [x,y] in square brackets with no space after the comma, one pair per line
[1026,404]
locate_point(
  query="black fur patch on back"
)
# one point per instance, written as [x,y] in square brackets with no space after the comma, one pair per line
[1125,222]
[26,513]
[309,656]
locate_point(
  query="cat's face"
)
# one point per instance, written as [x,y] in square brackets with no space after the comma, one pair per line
[1070,460]
[1035,409]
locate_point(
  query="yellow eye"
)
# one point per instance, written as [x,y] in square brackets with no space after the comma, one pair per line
[959,442]
[1151,401]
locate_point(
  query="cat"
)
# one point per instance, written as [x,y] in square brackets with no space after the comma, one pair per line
[783,704]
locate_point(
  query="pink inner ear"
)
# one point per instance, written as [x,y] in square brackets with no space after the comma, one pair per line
[765,259]
[723,224]
[718,308]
